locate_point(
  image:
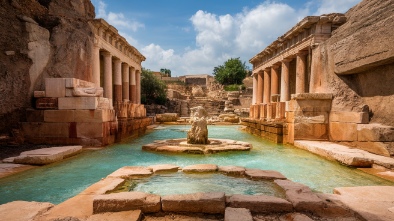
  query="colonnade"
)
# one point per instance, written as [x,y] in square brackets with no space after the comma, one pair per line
[121,82]
[116,65]
[271,86]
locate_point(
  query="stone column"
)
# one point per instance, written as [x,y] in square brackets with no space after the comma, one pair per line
[117,80]
[254,98]
[133,91]
[285,80]
[267,85]
[107,74]
[301,72]
[125,81]
[274,80]
[138,86]
[260,86]
[96,65]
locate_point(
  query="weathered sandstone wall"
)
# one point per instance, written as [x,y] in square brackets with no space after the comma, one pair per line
[40,38]
[357,63]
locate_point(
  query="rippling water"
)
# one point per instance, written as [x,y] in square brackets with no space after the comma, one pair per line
[59,181]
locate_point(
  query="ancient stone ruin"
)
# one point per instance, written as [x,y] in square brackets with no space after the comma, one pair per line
[198,133]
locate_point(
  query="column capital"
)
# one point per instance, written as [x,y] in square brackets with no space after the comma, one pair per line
[267,69]
[106,53]
[275,66]
[125,65]
[286,60]
[302,53]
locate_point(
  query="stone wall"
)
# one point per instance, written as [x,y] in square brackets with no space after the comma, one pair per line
[53,39]
[356,63]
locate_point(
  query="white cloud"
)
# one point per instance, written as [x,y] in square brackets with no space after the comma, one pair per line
[117,19]
[331,6]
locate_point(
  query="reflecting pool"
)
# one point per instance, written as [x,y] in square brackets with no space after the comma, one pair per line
[59,181]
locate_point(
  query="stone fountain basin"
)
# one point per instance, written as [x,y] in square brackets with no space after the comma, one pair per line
[181,146]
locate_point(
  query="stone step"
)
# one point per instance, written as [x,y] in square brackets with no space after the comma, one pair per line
[237,214]
[134,215]
[213,203]
[260,203]
[124,201]
[47,155]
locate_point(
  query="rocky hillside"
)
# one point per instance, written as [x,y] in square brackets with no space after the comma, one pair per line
[40,38]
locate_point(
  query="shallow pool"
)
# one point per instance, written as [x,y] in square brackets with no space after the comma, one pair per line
[60,181]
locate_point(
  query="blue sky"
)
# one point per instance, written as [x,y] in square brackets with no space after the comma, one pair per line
[194,36]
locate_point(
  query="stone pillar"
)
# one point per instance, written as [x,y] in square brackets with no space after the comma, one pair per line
[267,85]
[285,80]
[254,89]
[117,80]
[107,74]
[133,91]
[300,72]
[138,86]
[96,65]
[260,81]
[274,80]
[125,81]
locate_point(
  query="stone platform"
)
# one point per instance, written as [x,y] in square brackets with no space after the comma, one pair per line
[299,203]
[45,155]
[344,154]
[181,146]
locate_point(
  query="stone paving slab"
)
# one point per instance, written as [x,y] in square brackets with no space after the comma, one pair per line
[264,174]
[47,155]
[23,210]
[237,214]
[164,168]
[131,171]
[200,168]
[211,202]
[260,203]
[371,202]
[7,169]
[344,154]
[134,215]
[232,170]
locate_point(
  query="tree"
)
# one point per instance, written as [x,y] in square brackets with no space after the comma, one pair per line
[165,72]
[233,71]
[153,90]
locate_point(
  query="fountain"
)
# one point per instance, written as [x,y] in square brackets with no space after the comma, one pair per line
[197,141]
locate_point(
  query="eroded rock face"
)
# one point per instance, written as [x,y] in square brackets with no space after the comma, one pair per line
[198,134]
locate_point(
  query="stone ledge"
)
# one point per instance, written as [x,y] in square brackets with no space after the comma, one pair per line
[124,201]
[312,96]
[213,202]
[260,203]
[344,154]
[131,171]
[237,214]
[47,155]
[264,174]
[200,168]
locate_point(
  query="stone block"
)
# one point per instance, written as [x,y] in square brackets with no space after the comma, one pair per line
[164,168]
[309,105]
[375,132]
[47,155]
[135,215]
[46,103]
[92,130]
[125,201]
[301,196]
[38,94]
[237,214]
[343,131]
[59,116]
[264,174]
[71,82]
[23,210]
[308,131]
[260,203]
[280,110]
[44,129]
[232,170]
[102,115]
[312,117]
[131,171]
[200,168]
[378,148]
[55,87]
[33,115]
[210,202]
[104,103]
[349,117]
[78,103]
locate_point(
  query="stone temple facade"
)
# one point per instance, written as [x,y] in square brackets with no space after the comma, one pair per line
[329,78]
[70,78]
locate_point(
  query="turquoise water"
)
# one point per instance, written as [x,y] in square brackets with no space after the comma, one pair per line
[57,182]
